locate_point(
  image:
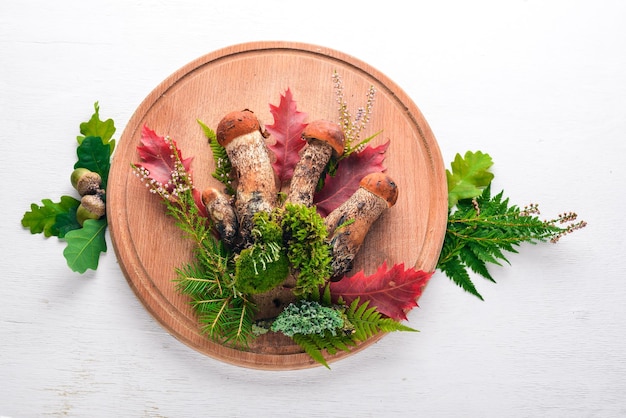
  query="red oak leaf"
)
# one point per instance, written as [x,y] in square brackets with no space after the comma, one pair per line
[394,292]
[158,158]
[338,188]
[286,130]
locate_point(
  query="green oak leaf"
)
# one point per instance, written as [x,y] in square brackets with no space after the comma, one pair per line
[96,127]
[95,155]
[469,175]
[84,245]
[44,218]
[66,222]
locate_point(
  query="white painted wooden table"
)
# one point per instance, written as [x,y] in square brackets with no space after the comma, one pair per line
[541,86]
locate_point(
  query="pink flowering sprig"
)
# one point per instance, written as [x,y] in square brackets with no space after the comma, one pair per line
[564,224]
[225,314]
[353,126]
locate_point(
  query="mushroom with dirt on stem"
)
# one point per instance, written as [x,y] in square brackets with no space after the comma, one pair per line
[243,137]
[324,139]
[222,214]
[348,224]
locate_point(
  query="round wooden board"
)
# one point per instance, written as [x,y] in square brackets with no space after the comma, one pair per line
[149,246]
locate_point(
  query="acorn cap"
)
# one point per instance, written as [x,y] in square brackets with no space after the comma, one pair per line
[94,204]
[325,131]
[382,186]
[236,124]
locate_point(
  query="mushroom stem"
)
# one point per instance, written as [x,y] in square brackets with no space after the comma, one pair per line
[349,223]
[240,133]
[324,139]
[222,213]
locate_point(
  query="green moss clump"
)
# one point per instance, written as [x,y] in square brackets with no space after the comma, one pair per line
[308,252]
[264,265]
[293,237]
[258,270]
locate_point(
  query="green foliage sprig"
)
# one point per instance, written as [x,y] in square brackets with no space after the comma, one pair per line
[360,322]
[85,242]
[482,227]
[226,313]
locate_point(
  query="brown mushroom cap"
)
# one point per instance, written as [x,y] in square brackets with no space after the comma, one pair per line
[382,186]
[325,131]
[209,195]
[236,124]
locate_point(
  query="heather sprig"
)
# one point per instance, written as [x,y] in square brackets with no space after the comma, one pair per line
[353,126]
[226,314]
[178,182]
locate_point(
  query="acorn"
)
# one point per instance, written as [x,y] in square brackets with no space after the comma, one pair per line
[91,207]
[85,181]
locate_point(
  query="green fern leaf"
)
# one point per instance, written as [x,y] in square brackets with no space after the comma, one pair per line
[223,166]
[455,269]
[476,258]
[309,347]
[480,231]
[368,321]
[314,345]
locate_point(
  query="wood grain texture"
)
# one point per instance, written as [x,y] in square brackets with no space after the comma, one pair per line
[148,244]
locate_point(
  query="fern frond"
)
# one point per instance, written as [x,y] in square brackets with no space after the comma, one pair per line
[223,166]
[480,231]
[455,269]
[310,348]
[476,263]
[314,345]
[368,321]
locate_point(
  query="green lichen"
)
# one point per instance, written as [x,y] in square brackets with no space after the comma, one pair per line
[307,318]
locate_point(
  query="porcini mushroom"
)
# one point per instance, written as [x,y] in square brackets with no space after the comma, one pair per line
[241,134]
[349,223]
[323,139]
[222,214]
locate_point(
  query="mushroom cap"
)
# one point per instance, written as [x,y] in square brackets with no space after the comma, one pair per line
[382,186]
[209,195]
[325,131]
[236,124]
